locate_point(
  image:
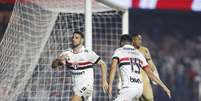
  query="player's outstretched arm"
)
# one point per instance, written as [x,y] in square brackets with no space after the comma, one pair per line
[157,80]
[104,75]
[151,63]
[149,59]
[112,75]
[59,61]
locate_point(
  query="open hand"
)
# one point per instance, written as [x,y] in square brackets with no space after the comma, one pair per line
[167,91]
[110,90]
[105,86]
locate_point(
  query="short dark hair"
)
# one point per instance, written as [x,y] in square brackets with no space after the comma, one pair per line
[79,32]
[136,35]
[126,38]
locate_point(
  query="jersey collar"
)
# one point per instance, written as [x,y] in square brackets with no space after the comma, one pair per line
[129,46]
[81,50]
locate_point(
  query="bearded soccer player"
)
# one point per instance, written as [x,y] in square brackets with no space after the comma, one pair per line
[130,61]
[147,94]
[80,62]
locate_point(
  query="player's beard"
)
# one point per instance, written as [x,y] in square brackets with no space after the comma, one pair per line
[75,46]
[137,45]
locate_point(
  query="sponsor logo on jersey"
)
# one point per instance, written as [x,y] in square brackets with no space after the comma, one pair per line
[77,73]
[75,65]
[134,80]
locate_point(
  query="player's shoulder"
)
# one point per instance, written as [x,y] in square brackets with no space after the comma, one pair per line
[138,52]
[144,48]
[118,49]
[85,50]
[145,52]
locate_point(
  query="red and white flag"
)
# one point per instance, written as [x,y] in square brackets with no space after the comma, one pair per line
[194,5]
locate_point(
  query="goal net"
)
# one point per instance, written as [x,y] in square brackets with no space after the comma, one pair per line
[38,31]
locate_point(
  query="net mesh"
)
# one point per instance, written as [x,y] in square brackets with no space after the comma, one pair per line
[36,34]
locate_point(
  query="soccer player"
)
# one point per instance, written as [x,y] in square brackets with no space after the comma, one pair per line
[147,94]
[130,60]
[80,62]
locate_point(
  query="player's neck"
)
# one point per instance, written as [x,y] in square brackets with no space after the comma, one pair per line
[138,47]
[77,49]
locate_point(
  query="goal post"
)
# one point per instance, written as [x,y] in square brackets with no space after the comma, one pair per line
[40,30]
[125,22]
[122,5]
[88,18]
[88,24]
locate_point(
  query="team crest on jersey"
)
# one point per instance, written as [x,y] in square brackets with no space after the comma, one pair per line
[67,58]
[75,65]
[86,50]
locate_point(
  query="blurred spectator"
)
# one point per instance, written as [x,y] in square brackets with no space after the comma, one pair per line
[175,47]
[4,19]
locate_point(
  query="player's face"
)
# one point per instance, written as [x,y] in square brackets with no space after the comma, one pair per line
[137,41]
[76,40]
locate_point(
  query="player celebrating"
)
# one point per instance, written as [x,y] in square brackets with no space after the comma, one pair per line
[80,62]
[130,60]
[147,94]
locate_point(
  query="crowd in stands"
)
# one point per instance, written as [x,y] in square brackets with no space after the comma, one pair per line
[175,47]
[178,62]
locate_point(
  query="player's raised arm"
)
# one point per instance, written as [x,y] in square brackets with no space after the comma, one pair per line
[151,75]
[151,64]
[104,75]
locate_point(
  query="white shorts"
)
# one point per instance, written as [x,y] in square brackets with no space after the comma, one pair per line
[84,91]
[129,94]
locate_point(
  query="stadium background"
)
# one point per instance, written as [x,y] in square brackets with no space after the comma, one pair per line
[174,40]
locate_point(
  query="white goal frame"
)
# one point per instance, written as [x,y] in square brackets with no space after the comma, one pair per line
[88,19]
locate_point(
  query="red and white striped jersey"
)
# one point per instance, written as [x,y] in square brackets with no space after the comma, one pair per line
[130,62]
[80,65]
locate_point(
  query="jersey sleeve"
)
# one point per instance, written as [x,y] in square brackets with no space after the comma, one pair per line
[116,55]
[64,53]
[93,57]
[144,62]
